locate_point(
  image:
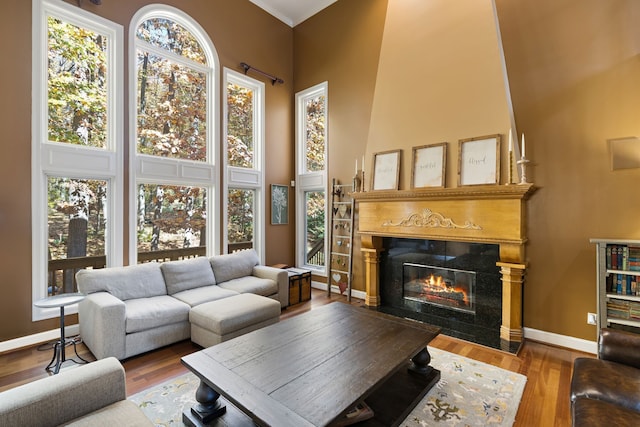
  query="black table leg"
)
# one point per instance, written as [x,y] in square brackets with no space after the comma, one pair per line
[59,351]
[207,409]
[420,362]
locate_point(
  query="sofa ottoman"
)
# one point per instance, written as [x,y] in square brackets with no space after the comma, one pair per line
[217,321]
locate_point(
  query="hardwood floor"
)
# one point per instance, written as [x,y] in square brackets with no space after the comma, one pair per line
[545,401]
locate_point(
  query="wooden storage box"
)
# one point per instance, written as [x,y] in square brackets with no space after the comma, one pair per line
[294,288]
[299,285]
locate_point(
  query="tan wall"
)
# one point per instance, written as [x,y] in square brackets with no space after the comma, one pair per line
[575,82]
[240,32]
[439,80]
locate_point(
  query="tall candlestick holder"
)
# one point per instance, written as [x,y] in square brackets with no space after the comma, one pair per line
[362,180]
[357,183]
[523,170]
[510,172]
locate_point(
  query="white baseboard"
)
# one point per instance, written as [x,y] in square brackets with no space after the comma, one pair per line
[354,293]
[561,340]
[38,338]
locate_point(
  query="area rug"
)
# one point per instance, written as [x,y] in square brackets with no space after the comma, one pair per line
[469,393]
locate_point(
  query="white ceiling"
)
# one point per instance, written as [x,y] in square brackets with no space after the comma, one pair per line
[292,12]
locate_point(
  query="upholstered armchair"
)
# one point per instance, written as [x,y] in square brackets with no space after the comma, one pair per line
[87,395]
[606,390]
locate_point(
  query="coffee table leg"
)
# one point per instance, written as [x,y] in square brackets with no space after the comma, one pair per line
[420,362]
[208,407]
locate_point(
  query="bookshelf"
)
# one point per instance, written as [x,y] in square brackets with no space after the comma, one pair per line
[618,280]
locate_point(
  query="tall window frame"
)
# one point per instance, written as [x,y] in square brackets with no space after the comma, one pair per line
[60,159]
[309,181]
[150,169]
[246,178]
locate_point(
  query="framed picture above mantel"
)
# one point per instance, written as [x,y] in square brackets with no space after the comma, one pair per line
[386,170]
[428,163]
[479,160]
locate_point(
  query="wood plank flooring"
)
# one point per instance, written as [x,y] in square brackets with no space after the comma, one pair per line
[545,401]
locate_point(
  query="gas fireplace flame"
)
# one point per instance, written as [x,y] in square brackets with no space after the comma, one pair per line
[437,285]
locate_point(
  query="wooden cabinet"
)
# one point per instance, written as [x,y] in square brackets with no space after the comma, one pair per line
[618,280]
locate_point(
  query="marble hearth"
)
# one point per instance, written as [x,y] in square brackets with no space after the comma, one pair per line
[477,215]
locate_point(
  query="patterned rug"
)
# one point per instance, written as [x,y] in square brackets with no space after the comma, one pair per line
[469,393]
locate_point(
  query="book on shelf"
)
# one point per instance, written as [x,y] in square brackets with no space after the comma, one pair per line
[623,257]
[634,258]
[622,284]
[618,309]
[625,310]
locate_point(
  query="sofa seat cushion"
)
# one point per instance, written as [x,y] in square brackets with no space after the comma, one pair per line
[251,284]
[234,313]
[187,274]
[124,413]
[232,266]
[148,313]
[134,281]
[597,413]
[607,381]
[198,296]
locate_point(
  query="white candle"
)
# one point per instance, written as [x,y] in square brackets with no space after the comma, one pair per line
[523,155]
[363,164]
[510,142]
[356,166]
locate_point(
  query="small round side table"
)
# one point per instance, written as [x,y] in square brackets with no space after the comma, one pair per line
[59,356]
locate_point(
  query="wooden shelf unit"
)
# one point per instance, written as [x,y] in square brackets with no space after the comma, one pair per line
[603,270]
[341,238]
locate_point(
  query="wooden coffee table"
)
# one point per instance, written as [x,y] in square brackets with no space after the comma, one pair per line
[311,369]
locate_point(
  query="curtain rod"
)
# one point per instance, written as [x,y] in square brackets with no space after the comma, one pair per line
[273,78]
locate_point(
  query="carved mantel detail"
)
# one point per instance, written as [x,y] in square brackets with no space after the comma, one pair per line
[430,219]
[501,209]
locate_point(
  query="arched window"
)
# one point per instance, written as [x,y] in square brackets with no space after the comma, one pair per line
[174,166]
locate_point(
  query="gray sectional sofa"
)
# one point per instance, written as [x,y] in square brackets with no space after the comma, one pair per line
[135,309]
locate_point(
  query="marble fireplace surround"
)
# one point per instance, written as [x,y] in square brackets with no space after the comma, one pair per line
[480,214]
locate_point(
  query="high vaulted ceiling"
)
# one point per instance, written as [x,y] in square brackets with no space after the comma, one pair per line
[293,12]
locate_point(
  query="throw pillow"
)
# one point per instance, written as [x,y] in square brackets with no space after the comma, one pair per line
[187,274]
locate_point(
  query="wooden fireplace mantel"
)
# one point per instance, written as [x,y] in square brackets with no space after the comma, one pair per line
[486,214]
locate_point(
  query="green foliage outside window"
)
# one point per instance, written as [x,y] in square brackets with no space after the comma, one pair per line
[315,211]
[76,217]
[240,126]
[172,96]
[240,213]
[315,133]
[170,217]
[77,85]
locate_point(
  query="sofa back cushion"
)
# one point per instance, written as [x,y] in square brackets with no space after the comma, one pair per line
[235,265]
[134,281]
[187,274]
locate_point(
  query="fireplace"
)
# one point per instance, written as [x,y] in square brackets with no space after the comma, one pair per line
[428,227]
[453,285]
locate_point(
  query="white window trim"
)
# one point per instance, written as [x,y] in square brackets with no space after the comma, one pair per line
[67,160]
[147,169]
[245,178]
[310,181]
